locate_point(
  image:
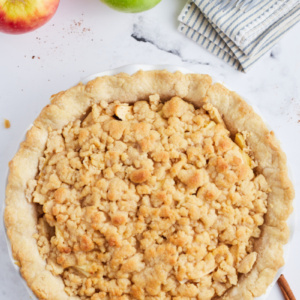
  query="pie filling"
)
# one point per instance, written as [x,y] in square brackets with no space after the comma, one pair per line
[151,200]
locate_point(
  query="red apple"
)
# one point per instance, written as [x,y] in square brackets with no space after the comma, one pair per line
[20,16]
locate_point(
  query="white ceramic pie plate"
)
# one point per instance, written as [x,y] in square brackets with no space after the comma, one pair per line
[131,69]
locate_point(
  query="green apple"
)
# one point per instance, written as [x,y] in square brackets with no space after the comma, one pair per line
[131,6]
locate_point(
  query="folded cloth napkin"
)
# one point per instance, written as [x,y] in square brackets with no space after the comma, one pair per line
[239,37]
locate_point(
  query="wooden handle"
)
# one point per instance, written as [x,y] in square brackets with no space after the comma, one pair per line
[285,288]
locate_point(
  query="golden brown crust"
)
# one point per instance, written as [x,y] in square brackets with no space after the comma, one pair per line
[20,214]
[271,160]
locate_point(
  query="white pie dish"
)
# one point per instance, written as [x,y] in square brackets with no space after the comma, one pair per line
[132,69]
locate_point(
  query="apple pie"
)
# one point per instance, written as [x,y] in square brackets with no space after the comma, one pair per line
[157,185]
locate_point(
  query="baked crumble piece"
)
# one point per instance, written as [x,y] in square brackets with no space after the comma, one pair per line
[6,124]
[148,201]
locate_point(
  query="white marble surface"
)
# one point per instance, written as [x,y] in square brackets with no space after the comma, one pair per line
[86,37]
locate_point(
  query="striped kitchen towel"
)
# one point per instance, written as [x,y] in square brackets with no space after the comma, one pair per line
[237,36]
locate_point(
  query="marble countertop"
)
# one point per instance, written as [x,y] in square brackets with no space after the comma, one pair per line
[85,37]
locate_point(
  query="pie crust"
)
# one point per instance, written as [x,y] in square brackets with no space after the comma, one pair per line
[66,107]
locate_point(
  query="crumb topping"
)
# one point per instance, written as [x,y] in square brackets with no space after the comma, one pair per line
[148,201]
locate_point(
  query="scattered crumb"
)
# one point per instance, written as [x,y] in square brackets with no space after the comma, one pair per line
[6,123]
[33,56]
